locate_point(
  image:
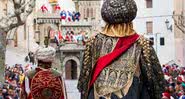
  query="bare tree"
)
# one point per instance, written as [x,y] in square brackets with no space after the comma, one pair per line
[21,10]
[179,21]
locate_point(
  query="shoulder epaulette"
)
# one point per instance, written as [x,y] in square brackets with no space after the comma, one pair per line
[55,72]
[146,50]
[87,50]
[31,74]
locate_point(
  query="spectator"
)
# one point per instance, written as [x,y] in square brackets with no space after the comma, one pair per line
[67,38]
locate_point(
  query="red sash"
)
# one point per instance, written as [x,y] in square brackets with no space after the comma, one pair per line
[122,45]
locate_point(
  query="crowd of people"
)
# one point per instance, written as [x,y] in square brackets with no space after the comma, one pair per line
[14,76]
[174,78]
[70,36]
[175,82]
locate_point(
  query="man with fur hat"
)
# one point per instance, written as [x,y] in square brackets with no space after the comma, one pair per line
[118,63]
[44,82]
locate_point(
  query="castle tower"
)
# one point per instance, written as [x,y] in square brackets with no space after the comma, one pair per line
[76,5]
[90,11]
[53,3]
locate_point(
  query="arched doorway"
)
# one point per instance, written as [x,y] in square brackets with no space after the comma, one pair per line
[71,70]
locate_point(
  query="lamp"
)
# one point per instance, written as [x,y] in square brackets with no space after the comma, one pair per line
[169,27]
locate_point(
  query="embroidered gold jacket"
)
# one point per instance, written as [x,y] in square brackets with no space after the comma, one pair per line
[149,65]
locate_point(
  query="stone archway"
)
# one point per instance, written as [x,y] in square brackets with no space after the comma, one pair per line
[71,70]
[71,67]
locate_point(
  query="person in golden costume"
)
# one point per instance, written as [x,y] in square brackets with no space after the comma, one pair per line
[119,63]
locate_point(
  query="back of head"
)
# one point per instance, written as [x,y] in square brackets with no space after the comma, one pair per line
[45,55]
[118,11]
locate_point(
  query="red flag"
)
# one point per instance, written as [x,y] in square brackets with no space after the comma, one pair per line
[52,34]
[44,8]
[57,7]
[60,35]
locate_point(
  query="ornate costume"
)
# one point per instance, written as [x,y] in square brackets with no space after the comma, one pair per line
[119,63]
[44,82]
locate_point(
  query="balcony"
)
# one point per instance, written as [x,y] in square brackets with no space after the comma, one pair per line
[71,47]
[48,17]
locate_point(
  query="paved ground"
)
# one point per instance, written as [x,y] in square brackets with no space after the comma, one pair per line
[15,56]
[71,87]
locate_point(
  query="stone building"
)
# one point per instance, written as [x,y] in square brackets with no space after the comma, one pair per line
[69,57]
[179,30]
[157,24]
[90,11]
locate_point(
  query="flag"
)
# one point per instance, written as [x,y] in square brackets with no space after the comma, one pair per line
[44,8]
[52,34]
[63,15]
[57,7]
[56,39]
[69,16]
[73,16]
[77,16]
[60,35]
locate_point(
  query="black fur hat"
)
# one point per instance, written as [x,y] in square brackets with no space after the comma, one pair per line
[118,11]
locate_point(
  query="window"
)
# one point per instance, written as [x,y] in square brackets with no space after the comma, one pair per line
[152,40]
[92,15]
[25,31]
[88,13]
[84,13]
[149,3]
[162,41]
[149,27]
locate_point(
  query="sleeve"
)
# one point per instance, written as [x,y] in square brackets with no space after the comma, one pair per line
[86,69]
[23,92]
[27,86]
[64,88]
[151,70]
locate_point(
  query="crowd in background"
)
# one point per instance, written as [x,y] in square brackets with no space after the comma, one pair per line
[14,76]
[175,82]
[70,36]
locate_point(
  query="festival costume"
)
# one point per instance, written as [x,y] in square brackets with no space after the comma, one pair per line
[118,63]
[44,83]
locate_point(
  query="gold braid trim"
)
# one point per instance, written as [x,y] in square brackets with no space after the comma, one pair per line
[87,51]
[145,44]
[86,69]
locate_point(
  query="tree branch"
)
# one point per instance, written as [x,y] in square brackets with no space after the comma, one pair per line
[178,23]
[22,10]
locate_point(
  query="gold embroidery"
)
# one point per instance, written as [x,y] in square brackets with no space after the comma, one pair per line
[45,82]
[118,76]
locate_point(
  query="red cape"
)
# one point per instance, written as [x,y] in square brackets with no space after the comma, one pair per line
[122,45]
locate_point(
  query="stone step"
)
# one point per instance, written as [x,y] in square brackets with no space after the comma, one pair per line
[71,88]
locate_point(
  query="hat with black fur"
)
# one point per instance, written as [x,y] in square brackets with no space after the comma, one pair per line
[118,11]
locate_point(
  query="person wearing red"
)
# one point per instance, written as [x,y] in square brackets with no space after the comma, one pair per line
[60,36]
[119,63]
[67,37]
[166,95]
[44,82]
